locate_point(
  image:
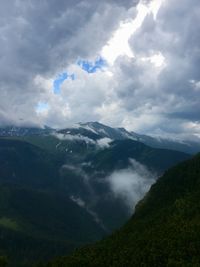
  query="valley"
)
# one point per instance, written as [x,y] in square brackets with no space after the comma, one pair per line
[67,188]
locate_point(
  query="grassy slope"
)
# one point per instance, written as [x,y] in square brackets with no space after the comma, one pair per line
[165,230]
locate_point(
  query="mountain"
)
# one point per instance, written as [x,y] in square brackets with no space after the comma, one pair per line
[106,131]
[32,220]
[87,172]
[67,188]
[117,156]
[34,212]
[96,131]
[187,146]
[24,131]
[164,230]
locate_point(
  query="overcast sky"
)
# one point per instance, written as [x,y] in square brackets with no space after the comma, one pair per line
[124,63]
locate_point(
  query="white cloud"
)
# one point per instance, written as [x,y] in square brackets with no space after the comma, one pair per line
[78,201]
[104,142]
[195,84]
[118,44]
[77,137]
[158,60]
[152,85]
[39,40]
[131,184]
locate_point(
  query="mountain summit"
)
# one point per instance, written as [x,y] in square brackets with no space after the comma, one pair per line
[96,130]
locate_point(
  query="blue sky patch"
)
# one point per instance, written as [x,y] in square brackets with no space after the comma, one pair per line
[92,67]
[41,107]
[60,79]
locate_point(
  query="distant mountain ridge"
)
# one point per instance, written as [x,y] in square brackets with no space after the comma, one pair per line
[109,132]
[24,131]
[96,131]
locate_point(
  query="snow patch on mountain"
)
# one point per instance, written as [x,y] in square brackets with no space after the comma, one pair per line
[87,127]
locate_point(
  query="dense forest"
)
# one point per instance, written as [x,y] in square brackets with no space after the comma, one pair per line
[164,231]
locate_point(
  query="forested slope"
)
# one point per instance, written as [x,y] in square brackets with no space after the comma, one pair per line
[164,231]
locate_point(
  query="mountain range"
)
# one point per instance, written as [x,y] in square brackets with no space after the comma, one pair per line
[96,130]
[62,189]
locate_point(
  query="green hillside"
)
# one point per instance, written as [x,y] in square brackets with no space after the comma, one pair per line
[118,154]
[24,163]
[37,225]
[52,203]
[164,231]
[37,220]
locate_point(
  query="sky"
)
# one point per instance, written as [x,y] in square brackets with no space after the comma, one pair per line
[125,63]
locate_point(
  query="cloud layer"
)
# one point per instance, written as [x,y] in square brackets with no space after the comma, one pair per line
[156,92]
[131,184]
[39,39]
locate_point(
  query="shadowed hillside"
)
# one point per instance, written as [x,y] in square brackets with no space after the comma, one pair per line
[164,231]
